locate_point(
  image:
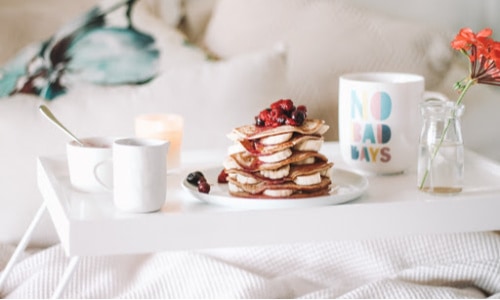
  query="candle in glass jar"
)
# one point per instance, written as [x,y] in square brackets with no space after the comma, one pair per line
[168,127]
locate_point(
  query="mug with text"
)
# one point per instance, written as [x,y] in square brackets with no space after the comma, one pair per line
[379,120]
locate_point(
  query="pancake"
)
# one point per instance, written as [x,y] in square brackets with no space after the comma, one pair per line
[252,132]
[297,141]
[250,162]
[298,191]
[278,156]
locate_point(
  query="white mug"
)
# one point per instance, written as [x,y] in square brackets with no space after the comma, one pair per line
[83,162]
[139,174]
[379,120]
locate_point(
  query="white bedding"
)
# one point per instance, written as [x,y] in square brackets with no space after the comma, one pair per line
[462,265]
[465,265]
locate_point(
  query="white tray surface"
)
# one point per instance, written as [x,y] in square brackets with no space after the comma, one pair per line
[88,224]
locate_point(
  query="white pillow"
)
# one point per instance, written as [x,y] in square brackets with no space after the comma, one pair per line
[212,96]
[326,38]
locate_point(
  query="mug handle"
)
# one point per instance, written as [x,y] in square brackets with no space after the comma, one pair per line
[99,166]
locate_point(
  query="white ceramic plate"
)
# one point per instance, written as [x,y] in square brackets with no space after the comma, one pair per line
[347,186]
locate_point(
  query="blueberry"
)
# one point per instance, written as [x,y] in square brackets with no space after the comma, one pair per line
[302,108]
[299,117]
[259,122]
[194,177]
[281,120]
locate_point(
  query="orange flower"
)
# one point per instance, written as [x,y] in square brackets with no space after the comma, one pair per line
[484,58]
[495,53]
[466,38]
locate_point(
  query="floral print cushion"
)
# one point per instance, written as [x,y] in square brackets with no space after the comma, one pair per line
[108,45]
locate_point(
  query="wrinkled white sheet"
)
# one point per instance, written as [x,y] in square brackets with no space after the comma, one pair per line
[465,265]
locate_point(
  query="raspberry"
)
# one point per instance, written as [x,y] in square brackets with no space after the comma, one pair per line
[203,187]
[222,178]
[284,104]
[275,113]
[290,121]
[263,117]
[281,112]
[201,180]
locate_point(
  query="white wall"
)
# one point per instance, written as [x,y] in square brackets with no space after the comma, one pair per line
[449,14]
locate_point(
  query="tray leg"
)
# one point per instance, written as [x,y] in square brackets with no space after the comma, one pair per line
[22,244]
[68,273]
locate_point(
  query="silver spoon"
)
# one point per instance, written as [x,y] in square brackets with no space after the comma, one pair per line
[46,112]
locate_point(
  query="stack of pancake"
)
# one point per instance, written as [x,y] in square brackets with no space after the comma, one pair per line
[278,162]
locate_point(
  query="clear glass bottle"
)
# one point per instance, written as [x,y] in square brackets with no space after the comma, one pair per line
[441,149]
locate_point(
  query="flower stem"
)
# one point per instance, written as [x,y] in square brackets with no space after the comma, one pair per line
[470,82]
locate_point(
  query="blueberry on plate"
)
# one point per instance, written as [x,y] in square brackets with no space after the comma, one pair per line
[194,177]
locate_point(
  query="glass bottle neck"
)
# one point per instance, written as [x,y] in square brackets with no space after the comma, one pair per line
[441,110]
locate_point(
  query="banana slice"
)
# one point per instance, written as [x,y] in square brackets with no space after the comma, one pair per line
[307,161]
[278,193]
[276,174]
[245,179]
[309,145]
[327,173]
[276,139]
[322,129]
[235,148]
[308,179]
[275,157]
[234,188]
[229,163]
